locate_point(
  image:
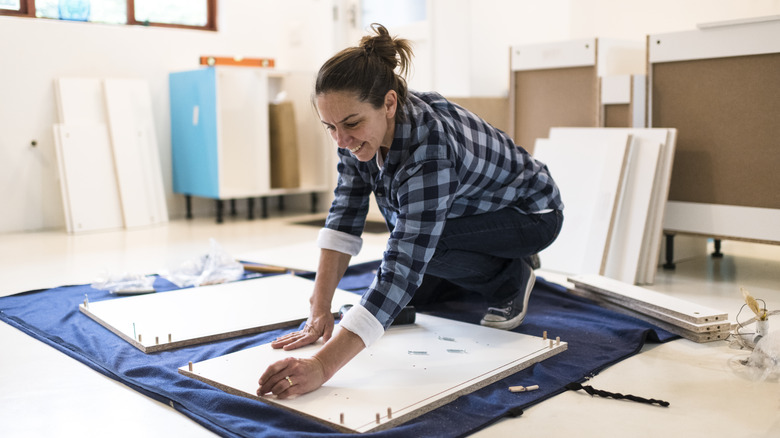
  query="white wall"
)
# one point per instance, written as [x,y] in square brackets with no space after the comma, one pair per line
[471,40]
[33,52]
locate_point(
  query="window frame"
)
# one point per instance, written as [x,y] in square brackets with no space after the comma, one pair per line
[27,9]
[25,6]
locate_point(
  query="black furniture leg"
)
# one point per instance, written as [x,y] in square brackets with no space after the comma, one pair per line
[188,203]
[220,207]
[233,211]
[281,202]
[717,254]
[669,252]
[314,202]
[250,206]
[264,207]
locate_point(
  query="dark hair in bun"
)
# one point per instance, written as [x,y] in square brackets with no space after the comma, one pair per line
[369,70]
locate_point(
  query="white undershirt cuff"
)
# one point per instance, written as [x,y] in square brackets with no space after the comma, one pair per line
[361,322]
[339,241]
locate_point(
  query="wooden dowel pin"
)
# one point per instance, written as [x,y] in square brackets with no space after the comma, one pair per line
[190,365]
[389,413]
[523,388]
[544,335]
[377,418]
[341,418]
[169,338]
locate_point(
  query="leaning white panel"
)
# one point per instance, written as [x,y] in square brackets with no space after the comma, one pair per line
[589,174]
[625,248]
[89,188]
[411,370]
[137,161]
[168,320]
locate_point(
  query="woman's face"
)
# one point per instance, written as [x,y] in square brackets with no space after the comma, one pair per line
[358,126]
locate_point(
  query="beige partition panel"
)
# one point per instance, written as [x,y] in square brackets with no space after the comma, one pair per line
[494,110]
[557,84]
[553,97]
[411,370]
[719,87]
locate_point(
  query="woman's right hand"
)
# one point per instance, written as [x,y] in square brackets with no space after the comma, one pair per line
[319,324]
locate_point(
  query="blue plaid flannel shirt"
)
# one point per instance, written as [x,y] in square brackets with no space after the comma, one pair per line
[444,162]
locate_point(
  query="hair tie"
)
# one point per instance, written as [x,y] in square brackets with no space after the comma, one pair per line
[369,47]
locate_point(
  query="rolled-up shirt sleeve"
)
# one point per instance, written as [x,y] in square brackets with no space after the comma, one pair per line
[361,322]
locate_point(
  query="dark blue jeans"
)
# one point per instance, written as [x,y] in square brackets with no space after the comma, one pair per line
[484,254]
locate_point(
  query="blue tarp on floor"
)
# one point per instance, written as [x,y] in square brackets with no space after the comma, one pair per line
[597,338]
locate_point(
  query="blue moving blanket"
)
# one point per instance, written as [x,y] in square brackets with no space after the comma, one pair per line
[597,338]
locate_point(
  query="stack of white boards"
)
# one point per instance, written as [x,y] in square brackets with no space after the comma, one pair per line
[107,155]
[614,183]
[168,320]
[690,320]
[411,370]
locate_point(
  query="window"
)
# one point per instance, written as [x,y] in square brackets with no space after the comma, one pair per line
[192,14]
[393,14]
[15,7]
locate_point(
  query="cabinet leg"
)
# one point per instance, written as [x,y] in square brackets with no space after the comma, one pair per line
[314,199]
[250,206]
[717,254]
[220,208]
[264,207]
[669,252]
[233,211]
[188,204]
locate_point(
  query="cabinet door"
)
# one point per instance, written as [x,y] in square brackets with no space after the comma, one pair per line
[194,133]
[242,111]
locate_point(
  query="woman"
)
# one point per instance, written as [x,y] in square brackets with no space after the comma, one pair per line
[466,208]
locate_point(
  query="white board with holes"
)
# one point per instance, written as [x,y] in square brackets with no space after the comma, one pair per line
[411,370]
[168,320]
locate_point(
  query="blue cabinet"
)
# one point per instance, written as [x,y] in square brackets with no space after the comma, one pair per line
[219,132]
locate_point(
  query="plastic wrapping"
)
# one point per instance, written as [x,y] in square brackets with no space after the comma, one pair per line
[213,268]
[764,362]
[126,283]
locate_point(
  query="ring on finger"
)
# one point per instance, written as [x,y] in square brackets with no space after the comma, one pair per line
[289,380]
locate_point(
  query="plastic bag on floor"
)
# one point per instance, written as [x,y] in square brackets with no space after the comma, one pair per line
[125,284]
[765,359]
[213,268]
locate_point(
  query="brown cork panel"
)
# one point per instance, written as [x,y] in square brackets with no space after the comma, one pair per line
[727,113]
[617,115]
[494,110]
[553,97]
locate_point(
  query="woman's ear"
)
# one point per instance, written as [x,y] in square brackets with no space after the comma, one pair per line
[391,104]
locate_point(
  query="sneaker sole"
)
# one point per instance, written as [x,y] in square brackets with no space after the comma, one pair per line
[517,320]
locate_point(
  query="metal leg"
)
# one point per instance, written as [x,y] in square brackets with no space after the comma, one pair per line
[314,202]
[188,203]
[717,254]
[281,203]
[233,211]
[250,206]
[264,207]
[669,252]
[220,207]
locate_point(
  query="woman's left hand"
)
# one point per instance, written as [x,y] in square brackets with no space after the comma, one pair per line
[291,376]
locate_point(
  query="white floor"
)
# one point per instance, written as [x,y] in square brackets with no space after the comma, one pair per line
[45,393]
